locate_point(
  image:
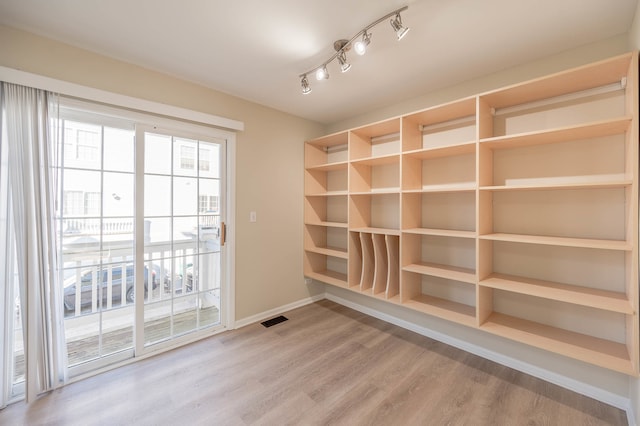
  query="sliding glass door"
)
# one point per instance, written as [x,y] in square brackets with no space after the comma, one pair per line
[141,234]
[184,228]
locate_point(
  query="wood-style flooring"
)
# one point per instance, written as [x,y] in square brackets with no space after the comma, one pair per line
[326,365]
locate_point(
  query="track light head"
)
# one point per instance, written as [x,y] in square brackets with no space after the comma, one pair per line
[360,46]
[342,58]
[396,24]
[322,73]
[306,89]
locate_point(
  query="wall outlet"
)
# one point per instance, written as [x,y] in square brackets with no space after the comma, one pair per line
[308,281]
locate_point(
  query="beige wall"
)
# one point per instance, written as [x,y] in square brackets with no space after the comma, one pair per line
[268,168]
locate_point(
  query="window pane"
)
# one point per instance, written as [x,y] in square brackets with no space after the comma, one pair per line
[119,149]
[184,162]
[118,194]
[185,196]
[80,242]
[185,233]
[77,183]
[157,233]
[82,145]
[209,196]
[157,154]
[157,195]
[209,160]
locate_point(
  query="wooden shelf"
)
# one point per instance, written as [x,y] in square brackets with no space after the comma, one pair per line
[376,191]
[340,165]
[443,271]
[377,161]
[335,139]
[453,187]
[329,277]
[579,182]
[328,194]
[578,79]
[328,224]
[564,134]
[584,296]
[447,309]
[440,232]
[329,251]
[560,241]
[442,151]
[604,353]
[383,231]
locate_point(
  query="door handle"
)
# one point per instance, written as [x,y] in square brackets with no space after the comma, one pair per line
[223,233]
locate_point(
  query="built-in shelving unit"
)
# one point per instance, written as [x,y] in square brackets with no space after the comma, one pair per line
[514,212]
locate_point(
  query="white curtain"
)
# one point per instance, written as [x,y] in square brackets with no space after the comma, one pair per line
[29,177]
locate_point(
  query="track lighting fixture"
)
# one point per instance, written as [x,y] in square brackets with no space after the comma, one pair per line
[396,24]
[344,65]
[305,85]
[322,73]
[360,47]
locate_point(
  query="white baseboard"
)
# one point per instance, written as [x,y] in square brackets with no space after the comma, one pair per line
[277,311]
[535,371]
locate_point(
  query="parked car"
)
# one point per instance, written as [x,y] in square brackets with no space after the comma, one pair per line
[180,279]
[86,280]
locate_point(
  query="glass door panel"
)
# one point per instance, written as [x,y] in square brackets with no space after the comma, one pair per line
[96,244]
[182,216]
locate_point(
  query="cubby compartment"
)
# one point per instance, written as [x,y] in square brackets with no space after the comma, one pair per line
[444,257]
[375,213]
[448,125]
[445,298]
[589,334]
[569,213]
[326,240]
[377,175]
[444,169]
[440,213]
[593,155]
[587,94]
[327,182]
[326,268]
[375,140]
[326,210]
[327,151]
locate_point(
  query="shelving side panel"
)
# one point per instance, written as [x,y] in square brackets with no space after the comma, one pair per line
[393,269]
[381,264]
[356,260]
[368,261]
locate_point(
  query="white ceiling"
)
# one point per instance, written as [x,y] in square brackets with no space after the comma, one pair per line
[256,49]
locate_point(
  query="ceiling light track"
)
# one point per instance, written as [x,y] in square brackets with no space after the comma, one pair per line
[360,46]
